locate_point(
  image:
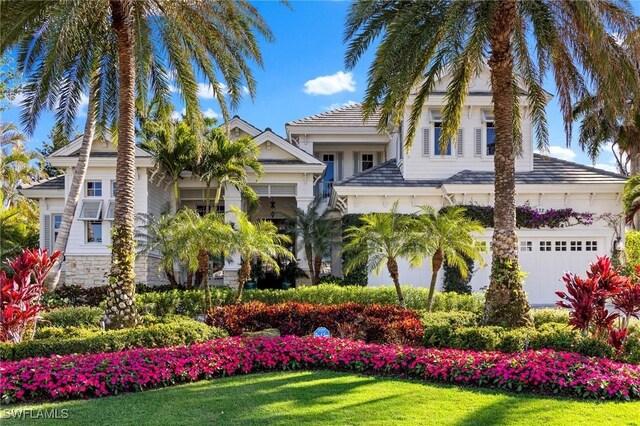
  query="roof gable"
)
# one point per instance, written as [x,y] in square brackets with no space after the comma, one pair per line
[283,148]
[99,148]
[240,125]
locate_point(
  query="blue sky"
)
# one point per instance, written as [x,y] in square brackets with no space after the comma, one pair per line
[304,74]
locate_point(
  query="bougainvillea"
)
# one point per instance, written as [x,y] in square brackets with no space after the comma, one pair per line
[373,323]
[588,299]
[20,292]
[532,218]
[83,376]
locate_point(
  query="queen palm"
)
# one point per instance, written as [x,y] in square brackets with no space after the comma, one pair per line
[420,41]
[631,198]
[446,236]
[380,241]
[156,234]
[150,38]
[258,240]
[17,169]
[196,236]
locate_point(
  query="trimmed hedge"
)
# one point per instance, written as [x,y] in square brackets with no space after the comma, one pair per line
[73,317]
[174,332]
[191,302]
[373,323]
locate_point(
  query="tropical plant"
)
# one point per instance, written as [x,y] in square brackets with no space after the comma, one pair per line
[20,292]
[380,241]
[10,135]
[16,165]
[140,43]
[631,198]
[318,233]
[173,146]
[228,161]
[521,42]
[9,81]
[257,241]
[19,228]
[445,236]
[156,235]
[196,236]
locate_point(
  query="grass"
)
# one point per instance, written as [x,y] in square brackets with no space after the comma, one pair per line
[331,398]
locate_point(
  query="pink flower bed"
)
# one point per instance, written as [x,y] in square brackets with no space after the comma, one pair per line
[84,376]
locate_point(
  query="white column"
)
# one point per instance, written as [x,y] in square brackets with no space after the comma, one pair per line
[232,198]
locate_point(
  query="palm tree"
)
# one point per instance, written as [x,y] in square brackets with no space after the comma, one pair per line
[228,162]
[257,241]
[10,135]
[17,169]
[381,240]
[420,41]
[446,236]
[631,198]
[174,147]
[318,233]
[157,235]
[147,40]
[196,236]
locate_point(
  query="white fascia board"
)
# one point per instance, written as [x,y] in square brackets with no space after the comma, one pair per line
[69,149]
[98,161]
[42,193]
[612,188]
[293,168]
[246,127]
[291,149]
[331,130]
[381,191]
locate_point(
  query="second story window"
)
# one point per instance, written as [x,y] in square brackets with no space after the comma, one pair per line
[94,188]
[490,137]
[437,130]
[366,162]
[113,189]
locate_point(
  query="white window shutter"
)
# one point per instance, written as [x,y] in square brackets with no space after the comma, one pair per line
[338,166]
[478,141]
[47,233]
[356,162]
[426,141]
[460,143]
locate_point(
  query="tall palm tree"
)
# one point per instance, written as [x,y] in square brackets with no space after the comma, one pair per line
[446,236]
[150,38]
[318,233]
[257,241]
[521,42]
[173,146]
[381,240]
[197,236]
[228,161]
[157,235]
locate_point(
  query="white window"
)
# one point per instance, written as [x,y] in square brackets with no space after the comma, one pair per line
[366,162]
[57,221]
[576,245]
[490,138]
[90,210]
[561,246]
[94,231]
[113,189]
[591,246]
[110,210]
[545,245]
[526,245]
[94,188]
[437,130]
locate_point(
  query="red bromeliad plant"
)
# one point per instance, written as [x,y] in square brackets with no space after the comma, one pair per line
[20,292]
[587,299]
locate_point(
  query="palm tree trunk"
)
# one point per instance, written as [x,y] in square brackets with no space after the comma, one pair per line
[176,196]
[243,276]
[189,283]
[308,253]
[171,277]
[218,194]
[203,267]
[317,268]
[74,192]
[506,302]
[121,309]
[392,266]
[634,169]
[436,264]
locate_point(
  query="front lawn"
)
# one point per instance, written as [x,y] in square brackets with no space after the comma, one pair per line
[332,398]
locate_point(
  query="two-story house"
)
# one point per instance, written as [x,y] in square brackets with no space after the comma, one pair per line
[347,163]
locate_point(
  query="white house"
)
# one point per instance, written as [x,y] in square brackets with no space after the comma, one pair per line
[350,165]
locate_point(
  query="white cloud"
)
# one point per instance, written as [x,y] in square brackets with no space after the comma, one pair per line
[607,167]
[209,113]
[337,105]
[331,84]
[561,153]
[175,115]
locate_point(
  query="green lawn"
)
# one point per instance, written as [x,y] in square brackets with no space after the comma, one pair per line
[333,399]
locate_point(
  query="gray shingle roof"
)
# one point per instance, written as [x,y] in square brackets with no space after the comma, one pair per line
[384,174]
[276,161]
[52,184]
[347,116]
[546,170]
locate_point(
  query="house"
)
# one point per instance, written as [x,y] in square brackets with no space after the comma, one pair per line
[347,163]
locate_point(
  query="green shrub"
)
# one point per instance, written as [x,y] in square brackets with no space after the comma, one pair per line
[593,347]
[632,248]
[550,315]
[555,336]
[476,338]
[515,340]
[631,349]
[172,331]
[438,326]
[73,317]
[66,332]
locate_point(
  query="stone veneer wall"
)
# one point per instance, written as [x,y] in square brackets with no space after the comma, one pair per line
[92,271]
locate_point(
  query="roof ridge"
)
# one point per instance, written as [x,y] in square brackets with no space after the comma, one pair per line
[584,166]
[326,113]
